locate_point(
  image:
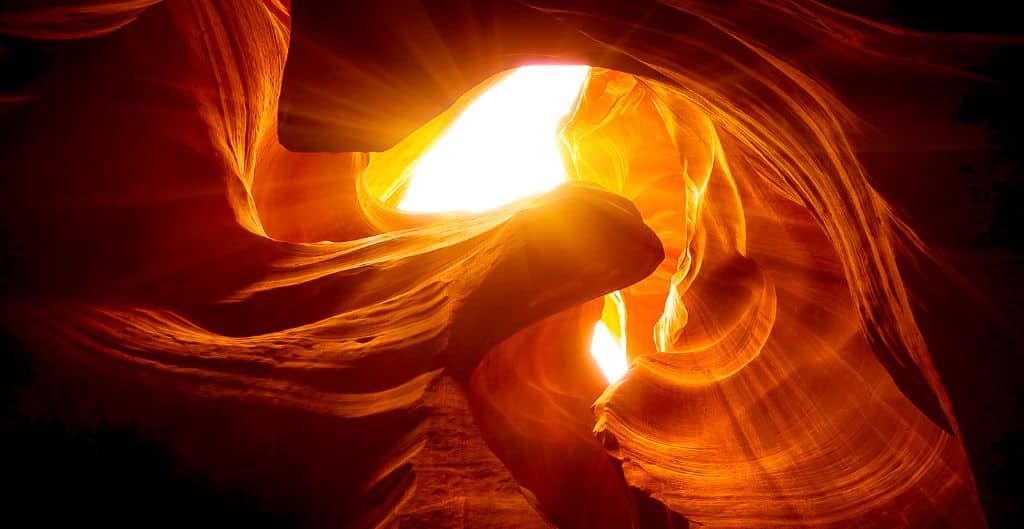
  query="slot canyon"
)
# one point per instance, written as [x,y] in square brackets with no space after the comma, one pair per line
[460,264]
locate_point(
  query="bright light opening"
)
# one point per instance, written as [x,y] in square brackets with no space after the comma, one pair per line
[608,353]
[503,147]
[608,346]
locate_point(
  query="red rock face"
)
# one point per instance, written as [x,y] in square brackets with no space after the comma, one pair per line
[212,255]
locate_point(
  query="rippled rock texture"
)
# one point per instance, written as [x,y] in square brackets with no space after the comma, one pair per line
[268,314]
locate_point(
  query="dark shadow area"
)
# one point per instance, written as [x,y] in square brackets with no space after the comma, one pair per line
[968,208]
[54,474]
